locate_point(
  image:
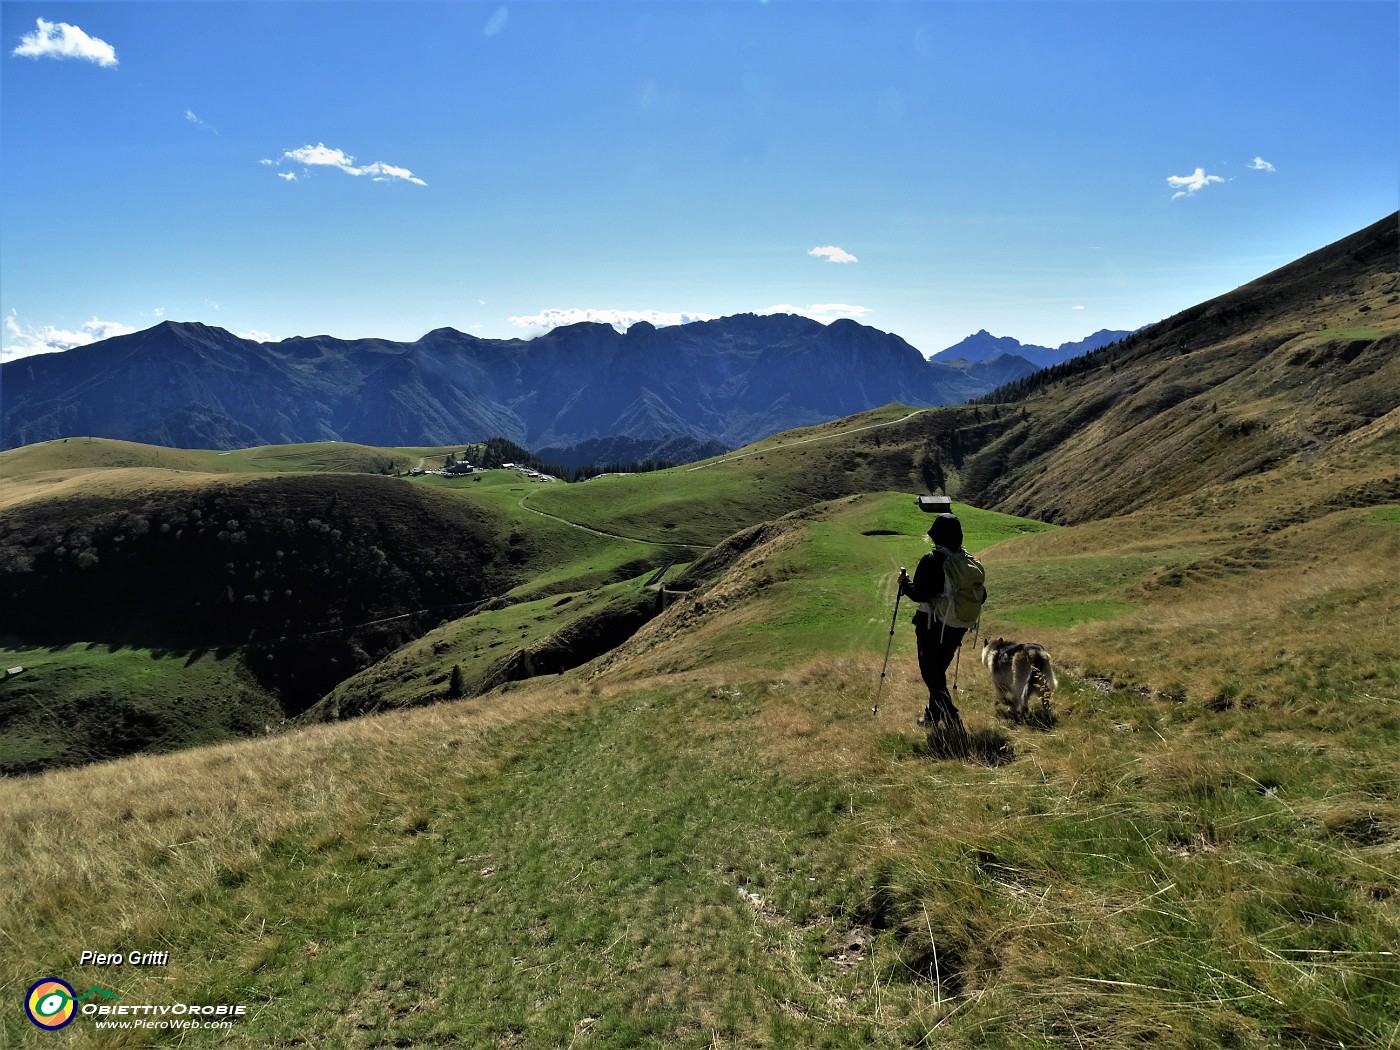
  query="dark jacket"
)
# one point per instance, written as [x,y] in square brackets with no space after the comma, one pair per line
[927,582]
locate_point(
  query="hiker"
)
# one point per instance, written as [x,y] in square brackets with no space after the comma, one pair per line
[938,625]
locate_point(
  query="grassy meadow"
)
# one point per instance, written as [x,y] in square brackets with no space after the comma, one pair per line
[706,839]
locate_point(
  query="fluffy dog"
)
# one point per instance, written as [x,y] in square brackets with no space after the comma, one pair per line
[1019,669]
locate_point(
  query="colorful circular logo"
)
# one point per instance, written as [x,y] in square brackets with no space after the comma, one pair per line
[50,1003]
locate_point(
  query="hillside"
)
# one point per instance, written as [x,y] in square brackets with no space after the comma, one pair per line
[1268,375]
[221,607]
[1196,841]
[727,381]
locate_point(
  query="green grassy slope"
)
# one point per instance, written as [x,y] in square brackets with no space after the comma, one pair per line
[707,838]
[85,702]
[521,640]
[93,454]
[893,447]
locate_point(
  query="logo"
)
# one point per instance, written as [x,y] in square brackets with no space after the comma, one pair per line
[50,1003]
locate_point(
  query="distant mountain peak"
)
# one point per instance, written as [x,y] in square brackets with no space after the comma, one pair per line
[983,346]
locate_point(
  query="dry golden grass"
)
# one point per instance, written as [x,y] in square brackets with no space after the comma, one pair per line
[152,834]
[128,483]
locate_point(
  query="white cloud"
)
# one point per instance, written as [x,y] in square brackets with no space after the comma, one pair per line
[385,172]
[497,23]
[831,253]
[321,155]
[290,176]
[1189,184]
[1077,308]
[159,311]
[823,312]
[193,118]
[26,341]
[538,324]
[256,336]
[60,40]
[1260,164]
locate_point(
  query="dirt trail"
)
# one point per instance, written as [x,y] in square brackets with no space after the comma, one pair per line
[598,532]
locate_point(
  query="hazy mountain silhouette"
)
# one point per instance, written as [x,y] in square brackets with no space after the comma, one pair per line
[730,380]
[983,346]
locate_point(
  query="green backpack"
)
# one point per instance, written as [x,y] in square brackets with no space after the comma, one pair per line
[964,589]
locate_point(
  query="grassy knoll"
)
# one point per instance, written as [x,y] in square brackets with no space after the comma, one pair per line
[85,702]
[293,582]
[521,640]
[98,454]
[559,557]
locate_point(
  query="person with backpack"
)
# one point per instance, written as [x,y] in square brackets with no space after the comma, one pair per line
[949,586]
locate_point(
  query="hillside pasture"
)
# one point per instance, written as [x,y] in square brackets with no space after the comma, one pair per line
[707,837]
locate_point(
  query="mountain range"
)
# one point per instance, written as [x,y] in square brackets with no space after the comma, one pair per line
[983,346]
[731,380]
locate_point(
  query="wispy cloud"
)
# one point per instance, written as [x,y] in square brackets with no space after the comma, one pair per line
[1260,164]
[26,341]
[622,320]
[823,312]
[290,176]
[60,40]
[322,156]
[831,253]
[497,24]
[1185,185]
[193,118]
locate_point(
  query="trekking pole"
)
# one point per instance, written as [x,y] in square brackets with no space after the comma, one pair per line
[893,619]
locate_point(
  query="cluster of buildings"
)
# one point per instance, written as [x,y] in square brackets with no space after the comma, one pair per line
[461,467]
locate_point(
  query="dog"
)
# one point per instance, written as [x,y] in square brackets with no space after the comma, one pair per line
[1019,669]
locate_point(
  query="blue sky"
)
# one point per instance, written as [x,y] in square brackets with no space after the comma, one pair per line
[1042,170]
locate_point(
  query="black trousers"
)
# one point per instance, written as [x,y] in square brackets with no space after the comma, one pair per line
[937,645]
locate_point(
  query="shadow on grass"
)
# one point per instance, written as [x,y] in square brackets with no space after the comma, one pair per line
[987,747]
[1041,718]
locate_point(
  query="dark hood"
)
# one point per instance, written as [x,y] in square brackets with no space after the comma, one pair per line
[946,531]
